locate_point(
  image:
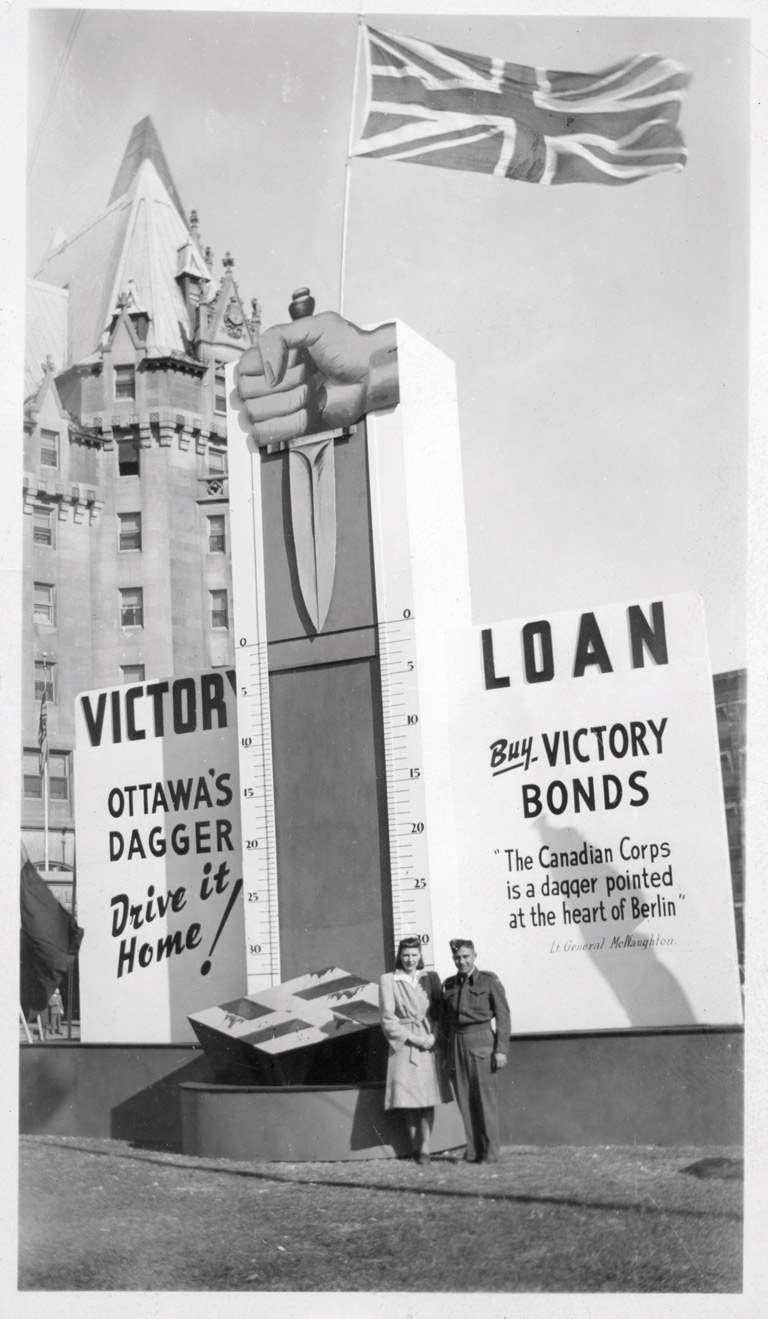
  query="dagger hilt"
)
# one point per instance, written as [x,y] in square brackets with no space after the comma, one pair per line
[302,304]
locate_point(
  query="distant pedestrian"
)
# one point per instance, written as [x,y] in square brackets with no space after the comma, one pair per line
[409,1003]
[55,1009]
[472,1000]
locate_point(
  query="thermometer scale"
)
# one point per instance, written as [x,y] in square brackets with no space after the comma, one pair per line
[257,800]
[408,830]
[421,590]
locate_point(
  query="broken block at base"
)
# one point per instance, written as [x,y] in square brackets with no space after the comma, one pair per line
[320,1029]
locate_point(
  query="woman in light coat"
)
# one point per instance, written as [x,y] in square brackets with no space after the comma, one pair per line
[409,1005]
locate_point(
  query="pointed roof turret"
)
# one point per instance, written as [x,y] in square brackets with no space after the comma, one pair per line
[141,258]
[144,144]
[223,320]
[137,239]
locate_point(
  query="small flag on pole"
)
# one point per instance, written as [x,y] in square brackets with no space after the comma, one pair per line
[50,938]
[433,106]
[42,733]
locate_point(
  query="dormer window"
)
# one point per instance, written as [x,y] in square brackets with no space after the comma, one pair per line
[219,388]
[125,383]
[49,448]
[140,321]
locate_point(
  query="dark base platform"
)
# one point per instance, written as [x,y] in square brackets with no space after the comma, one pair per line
[301,1124]
[681,1087]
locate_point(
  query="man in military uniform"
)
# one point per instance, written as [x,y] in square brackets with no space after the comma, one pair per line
[472,1000]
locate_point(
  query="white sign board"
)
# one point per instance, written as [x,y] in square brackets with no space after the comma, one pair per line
[422,590]
[594,856]
[159,862]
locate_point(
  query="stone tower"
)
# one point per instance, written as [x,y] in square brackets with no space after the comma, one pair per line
[126,529]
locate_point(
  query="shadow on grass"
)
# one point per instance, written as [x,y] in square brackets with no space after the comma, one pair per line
[647,1206]
[728,1170]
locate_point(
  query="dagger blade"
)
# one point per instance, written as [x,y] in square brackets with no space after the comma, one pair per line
[312,481]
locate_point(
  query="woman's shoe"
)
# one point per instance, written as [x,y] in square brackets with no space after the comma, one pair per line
[422,1158]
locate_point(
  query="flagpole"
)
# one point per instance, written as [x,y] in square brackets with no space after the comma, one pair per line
[72,965]
[347,169]
[42,744]
[45,813]
[43,740]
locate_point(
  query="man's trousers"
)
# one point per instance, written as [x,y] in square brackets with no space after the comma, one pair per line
[471,1060]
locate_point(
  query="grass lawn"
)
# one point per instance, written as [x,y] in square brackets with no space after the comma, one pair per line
[103,1215]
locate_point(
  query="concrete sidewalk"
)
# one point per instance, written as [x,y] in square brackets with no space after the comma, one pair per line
[68,1034]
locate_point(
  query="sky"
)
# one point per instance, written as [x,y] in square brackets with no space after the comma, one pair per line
[600,335]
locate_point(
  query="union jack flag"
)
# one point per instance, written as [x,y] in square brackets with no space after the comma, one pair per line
[433,106]
[42,735]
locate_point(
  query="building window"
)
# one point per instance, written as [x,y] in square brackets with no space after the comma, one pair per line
[132,607]
[45,680]
[33,783]
[130,531]
[125,383]
[128,457]
[219,388]
[49,448]
[217,541]
[132,673]
[42,526]
[58,776]
[219,609]
[43,603]
[217,460]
